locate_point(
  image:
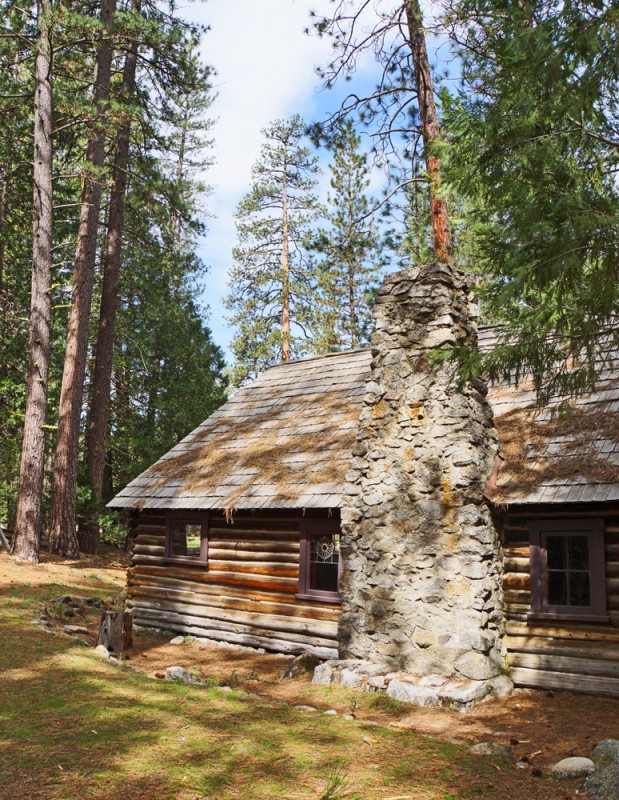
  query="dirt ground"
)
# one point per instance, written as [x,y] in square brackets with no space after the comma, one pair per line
[542,726]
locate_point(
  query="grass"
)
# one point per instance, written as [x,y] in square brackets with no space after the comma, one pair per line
[385,703]
[73,726]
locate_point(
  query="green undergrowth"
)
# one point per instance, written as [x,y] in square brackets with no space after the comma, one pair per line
[73,726]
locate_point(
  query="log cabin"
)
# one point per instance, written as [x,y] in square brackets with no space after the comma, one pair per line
[238,534]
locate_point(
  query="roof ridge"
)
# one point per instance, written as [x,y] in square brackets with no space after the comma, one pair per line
[304,359]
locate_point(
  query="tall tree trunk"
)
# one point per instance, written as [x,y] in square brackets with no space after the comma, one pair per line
[430,128]
[180,167]
[4,210]
[62,535]
[97,433]
[352,307]
[350,233]
[28,519]
[5,172]
[285,334]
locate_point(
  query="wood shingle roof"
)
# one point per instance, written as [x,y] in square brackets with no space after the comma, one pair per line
[553,457]
[285,441]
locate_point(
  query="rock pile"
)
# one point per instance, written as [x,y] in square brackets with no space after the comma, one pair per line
[601,770]
[604,782]
[429,691]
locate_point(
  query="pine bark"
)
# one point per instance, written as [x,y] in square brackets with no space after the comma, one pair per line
[352,307]
[4,210]
[32,468]
[5,171]
[285,272]
[62,535]
[431,131]
[97,433]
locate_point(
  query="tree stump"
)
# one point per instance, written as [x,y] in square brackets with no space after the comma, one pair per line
[4,542]
[116,631]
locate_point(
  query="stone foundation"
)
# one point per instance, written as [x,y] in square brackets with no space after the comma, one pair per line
[429,691]
[421,583]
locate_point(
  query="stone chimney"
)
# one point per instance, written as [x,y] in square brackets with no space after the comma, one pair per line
[422,561]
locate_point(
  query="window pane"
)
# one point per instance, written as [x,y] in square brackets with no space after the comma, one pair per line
[324,559]
[578,548]
[556,550]
[580,594]
[557,588]
[323,577]
[186,539]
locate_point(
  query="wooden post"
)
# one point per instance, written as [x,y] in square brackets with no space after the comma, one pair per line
[116,631]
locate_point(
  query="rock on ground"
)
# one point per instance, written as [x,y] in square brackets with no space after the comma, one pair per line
[493,749]
[179,674]
[604,785]
[574,767]
[74,629]
[177,640]
[301,665]
[605,753]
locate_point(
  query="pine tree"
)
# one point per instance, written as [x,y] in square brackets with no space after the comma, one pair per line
[166,177]
[16,195]
[402,102]
[100,393]
[348,250]
[163,233]
[167,372]
[271,286]
[28,521]
[62,534]
[537,133]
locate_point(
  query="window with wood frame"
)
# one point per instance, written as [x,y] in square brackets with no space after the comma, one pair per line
[187,539]
[320,564]
[568,569]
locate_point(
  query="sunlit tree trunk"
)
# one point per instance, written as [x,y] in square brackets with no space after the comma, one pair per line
[62,535]
[285,271]
[431,131]
[28,519]
[98,423]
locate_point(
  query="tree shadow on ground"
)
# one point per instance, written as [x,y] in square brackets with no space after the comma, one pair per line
[74,726]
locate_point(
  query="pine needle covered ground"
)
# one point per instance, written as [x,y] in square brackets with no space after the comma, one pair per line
[73,726]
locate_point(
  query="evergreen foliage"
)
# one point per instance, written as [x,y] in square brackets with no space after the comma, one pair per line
[406,215]
[270,276]
[536,153]
[168,373]
[399,111]
[348,250]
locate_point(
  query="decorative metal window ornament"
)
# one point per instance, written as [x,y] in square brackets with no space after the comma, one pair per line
[324,547]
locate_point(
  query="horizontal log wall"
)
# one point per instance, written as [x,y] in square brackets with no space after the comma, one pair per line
[246,595]
[560,654]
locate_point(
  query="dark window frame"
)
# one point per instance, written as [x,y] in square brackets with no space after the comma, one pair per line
[190,518]
[539,529]
[306,528]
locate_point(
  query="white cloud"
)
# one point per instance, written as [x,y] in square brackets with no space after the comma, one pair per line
[265,64]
